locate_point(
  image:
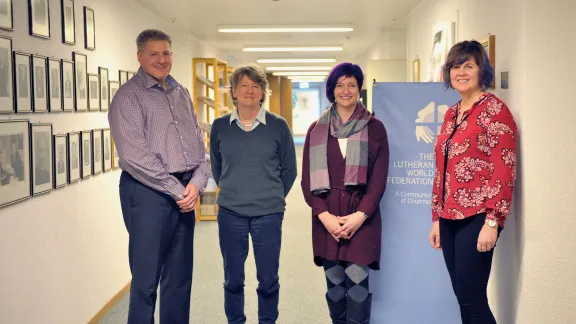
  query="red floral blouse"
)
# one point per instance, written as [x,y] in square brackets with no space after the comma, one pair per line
[475,162]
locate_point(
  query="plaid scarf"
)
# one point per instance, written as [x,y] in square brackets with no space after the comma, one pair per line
[355,131]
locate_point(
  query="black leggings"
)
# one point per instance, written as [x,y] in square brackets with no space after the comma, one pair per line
[469,269]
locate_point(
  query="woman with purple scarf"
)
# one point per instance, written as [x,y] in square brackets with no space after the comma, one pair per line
[344,172]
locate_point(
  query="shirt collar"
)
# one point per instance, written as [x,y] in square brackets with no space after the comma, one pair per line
[150,82]
[261,117]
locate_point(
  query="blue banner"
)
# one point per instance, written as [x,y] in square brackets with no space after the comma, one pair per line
[413,286]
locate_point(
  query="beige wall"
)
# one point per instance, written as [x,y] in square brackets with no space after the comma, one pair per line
[533,280]
[63,255]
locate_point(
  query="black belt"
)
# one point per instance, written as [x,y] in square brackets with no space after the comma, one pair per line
[183,176]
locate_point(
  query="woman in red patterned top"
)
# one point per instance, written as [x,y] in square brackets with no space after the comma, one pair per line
[475,173]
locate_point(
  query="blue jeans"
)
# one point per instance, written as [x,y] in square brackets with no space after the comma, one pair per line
[266,232]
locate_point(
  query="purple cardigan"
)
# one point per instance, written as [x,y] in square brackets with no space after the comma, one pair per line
[364,247]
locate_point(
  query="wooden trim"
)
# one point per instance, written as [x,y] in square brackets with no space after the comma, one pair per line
[115,299]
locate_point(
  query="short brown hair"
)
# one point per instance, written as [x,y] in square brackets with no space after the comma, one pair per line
[254,73]
[151,35]
[463,51]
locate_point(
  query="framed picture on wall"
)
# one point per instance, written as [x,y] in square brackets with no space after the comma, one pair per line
[6,75]
[89,29]
[131,74]
[74,154]
[7,14]
[14,161]
[113,86]
[94,91]
[68,85]
[68,22]
[55,84]
[80,81]
[42,163]
[22,74]
[60,160]
[39,18]
[122,76]
[104,93]
[115,157]
[97,151]
[39,83]
[107,149]
[489,45]
[86,147]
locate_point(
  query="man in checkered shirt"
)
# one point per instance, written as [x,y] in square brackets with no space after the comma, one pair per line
[161,151]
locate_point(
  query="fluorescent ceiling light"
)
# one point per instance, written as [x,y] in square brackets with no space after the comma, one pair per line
[299,68]
[300,73]
[300,77]
[292,49]
[296,61]
[285,29]
[306,80]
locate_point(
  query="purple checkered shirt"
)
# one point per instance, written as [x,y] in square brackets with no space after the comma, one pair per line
[156,133]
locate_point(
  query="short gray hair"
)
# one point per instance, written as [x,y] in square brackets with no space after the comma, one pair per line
[151,35]
[254,73]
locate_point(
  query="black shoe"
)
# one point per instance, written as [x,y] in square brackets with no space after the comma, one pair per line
[358,313]
[337,310]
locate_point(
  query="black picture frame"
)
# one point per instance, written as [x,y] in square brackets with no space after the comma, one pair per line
[89,29]
[39,83]
[80,81]
[113,86]
[93,92]
[97,160]
[107,154]
[7,104]
[86,154]
[22,82]
[115,157]
[39,18]
[41,162]
[60,157]
[68,22]
[68,100]
[55,98]
[104,88]
[15,185]
[122,76]
[74,157]
[7,15]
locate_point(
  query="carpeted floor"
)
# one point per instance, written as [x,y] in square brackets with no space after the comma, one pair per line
[302,284]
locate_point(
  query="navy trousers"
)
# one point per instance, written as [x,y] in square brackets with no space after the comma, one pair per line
[469,269]
[266,232]
[160,250]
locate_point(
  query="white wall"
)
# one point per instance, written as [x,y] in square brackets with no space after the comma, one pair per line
[385,61]
[64,255]
[532,276]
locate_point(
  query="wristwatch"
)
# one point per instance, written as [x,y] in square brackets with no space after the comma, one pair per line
[492,223]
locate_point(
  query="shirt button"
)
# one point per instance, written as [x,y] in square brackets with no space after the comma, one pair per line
[185,153]
[181,137]
[171,106]
[176,122]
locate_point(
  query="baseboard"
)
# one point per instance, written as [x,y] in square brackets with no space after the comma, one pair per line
[113,301]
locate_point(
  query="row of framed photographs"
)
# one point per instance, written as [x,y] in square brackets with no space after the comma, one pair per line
[36,83]
[34,161]
[39,20]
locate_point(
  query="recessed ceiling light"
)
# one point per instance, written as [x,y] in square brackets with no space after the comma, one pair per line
[239,29]
[273,61]
[306,73]
[299,68]
[292,49]
[306,80]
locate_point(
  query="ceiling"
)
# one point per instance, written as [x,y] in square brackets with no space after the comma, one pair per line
[369,18]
